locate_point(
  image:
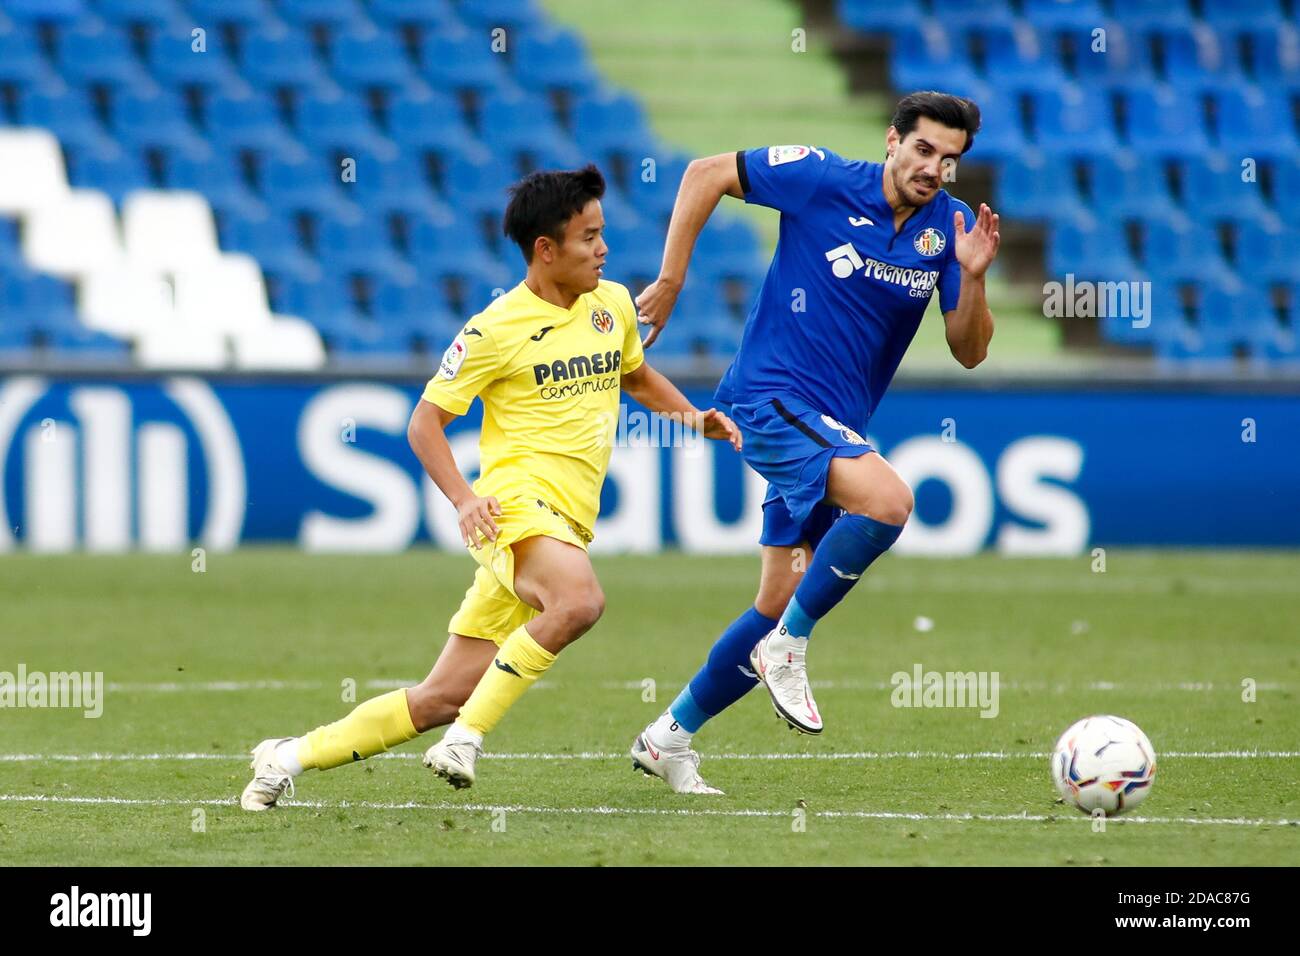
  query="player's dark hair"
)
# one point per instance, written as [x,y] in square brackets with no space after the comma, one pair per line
[955,112]
[542,203]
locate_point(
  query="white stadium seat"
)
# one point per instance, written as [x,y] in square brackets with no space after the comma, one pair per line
[73,236]
[32,174]
[178,347]
[225,294]
[126,301]
[287,342]
[169,231]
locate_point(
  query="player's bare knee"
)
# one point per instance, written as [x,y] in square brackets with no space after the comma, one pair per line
[579,612]
[431,705]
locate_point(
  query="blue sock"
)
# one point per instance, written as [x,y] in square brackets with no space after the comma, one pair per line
[721,681]
[848,549]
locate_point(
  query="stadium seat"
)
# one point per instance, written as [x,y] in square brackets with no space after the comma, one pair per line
[612,122]
[65,112]
[1165,122]
[246,14]
[181,347]
[327,14]
[94,52]
[114,171]
[461,59]
[366,342]
[216,176]
[551,59]
[1034,189]
[1176,250]
[35,302]
[1257,123]
[446,246]
[155,119]
[351,245]
[1114,58]
[174,62]
[1015,58]
[870,16]
[1213,188]
[424,14]
[1064,14]
[1073,120]
[226,293]
[326,302]
[249,122]
[286,342]
[339,122]
[1230,18]
[428,121]
[392,182]
[73,236]
[1274,53]
[1096,252]
[20,59]
[46,11]
[32,173]
[77,344]
[126,301]
[169,231]
[1141,15]
[1266,252]
[927,57]
[372,59]
[417,308]
[513,14]
[282,58]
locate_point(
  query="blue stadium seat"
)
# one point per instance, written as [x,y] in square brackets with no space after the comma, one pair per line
[97,53]
[1002,132]
[1074,120]
[416,308]
[612,122]
[460,59]
[330,15]
[425,14]
[1229,18]
[1276,345]
[36,302]
[518,122]
[1255,122]
[1274,53]
[67,114]
[478,183]
[1064,14]
[1098,252]
[1194,55]
[442,246]
[961,15]
[156,119]
[372,59]
[248,14]
[879,16]
[340,122]
[216,177]
[551,59]
[1286,183]
[304,184]
[249,122]
[726,245]
[16,344]
[1213,188]
[77,343]
[1120,57]
[325,302]
[174,61]
[655,197]
[635,249]
[1174,250]
[282,58]
[352,245]
[46,11]
[1143,15]
[366,341]
[392,182]
[1016,58]
[1165,121]
[1127,186]
[154,12]
[113,171]
[1030,188]
[422,121]
[500,13]
[21,60]
[928,57]
[1266,252]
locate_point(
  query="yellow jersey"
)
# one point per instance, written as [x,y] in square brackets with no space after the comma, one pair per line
[549,381]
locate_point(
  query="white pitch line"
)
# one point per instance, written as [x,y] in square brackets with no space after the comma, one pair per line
[647,811]
[620,755]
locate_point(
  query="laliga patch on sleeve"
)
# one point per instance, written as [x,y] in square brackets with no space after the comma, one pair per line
[453,358]
[777,155]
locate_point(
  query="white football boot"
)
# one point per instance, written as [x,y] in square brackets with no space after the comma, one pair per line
[454,761]
[270,780]
[786,680]
[680,769]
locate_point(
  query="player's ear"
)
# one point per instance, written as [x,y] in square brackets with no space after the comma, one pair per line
[892,139]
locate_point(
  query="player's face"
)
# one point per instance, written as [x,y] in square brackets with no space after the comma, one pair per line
[580,258]
[924,160]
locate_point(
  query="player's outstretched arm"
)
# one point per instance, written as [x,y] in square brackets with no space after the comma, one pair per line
[705,182]
[653,390]
[969,327]
[427,433]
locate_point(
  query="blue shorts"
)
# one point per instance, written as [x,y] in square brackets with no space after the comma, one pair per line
[791,444]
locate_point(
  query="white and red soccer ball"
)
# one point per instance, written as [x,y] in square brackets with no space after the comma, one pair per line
[1104,763]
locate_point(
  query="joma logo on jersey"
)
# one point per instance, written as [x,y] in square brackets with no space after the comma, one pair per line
[579,366]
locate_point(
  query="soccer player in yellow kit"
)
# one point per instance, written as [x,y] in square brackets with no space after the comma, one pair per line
[549,359]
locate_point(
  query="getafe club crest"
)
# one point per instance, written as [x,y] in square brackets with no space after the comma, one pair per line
[929,242]
[849,435]
[602,321]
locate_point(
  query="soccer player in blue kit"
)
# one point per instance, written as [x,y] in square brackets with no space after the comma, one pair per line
[862,247]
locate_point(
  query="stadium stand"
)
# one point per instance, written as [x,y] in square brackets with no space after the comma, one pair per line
[1154,141]
[288,183]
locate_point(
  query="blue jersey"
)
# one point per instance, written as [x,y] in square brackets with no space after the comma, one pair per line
[845,293]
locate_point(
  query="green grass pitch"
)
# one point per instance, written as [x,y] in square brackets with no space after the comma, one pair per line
[201,666]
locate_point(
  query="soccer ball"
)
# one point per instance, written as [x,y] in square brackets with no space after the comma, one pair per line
[1104,763]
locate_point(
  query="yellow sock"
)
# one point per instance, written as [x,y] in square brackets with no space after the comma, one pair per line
[371,728]
[519,662]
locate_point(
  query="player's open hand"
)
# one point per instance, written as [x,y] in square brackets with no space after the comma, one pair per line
[654,305]
[713,424]
[475,517]
[975,249]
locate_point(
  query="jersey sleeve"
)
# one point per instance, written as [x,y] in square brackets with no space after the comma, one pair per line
[470,364]
[950,273]
[781,177]
[633,354]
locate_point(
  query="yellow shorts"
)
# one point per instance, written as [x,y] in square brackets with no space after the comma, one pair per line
[491,609]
